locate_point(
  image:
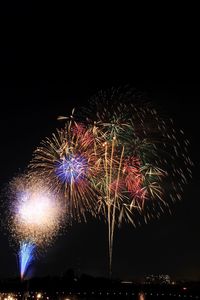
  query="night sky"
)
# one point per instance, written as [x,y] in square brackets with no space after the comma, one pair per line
[28,112]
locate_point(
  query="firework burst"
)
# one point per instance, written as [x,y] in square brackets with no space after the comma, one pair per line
[69,163]
[144,163]
[36,214]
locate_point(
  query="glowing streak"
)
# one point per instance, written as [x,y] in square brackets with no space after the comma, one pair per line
[114,209]
[26,256]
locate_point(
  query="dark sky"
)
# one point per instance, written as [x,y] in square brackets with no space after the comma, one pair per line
[28,112]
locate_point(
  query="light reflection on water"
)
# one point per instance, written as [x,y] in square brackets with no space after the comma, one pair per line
[127,298]
[140,296]
[106,295]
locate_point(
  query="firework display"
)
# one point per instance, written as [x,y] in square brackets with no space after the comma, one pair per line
[123,161]
[117,158]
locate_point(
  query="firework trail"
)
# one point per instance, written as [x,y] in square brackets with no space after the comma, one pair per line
[26,257]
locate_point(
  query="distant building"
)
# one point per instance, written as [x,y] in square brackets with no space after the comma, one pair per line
[157,279]
[126,282]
